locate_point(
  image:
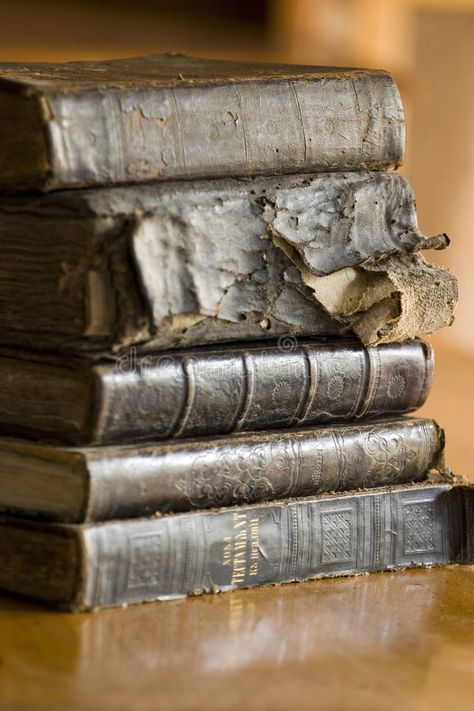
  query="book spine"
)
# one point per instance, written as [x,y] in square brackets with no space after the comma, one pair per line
[343,123]
[244,547]
[284,386]
[101,290]
[258,467]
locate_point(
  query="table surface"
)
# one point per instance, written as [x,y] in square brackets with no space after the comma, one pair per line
[385,641]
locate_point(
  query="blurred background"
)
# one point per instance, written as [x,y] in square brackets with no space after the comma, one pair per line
[427,44]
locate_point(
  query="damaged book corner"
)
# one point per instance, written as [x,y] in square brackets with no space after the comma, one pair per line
[211,333]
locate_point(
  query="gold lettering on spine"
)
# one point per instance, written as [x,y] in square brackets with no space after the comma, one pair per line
[241,551]
[254,550]
[240,548]
[227,557]
[239,563]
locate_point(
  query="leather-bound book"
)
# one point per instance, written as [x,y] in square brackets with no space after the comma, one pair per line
[172,116]
[94,484]
[83,567]
[209,390]
[182,264]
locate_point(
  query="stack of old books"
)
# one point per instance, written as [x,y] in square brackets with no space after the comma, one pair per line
[211,293]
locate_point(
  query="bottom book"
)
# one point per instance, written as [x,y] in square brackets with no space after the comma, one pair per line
[80,567]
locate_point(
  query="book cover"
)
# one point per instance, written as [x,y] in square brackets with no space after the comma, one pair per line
[183,264]
[205,391]
[100,483]
[170,116]
[85,567]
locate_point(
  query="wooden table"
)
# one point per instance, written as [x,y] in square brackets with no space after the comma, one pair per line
[386,641]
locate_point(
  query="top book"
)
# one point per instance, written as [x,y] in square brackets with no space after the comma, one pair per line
[168,117]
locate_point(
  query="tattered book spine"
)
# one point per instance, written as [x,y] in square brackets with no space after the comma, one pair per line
[313,256]
[242,547]
[289,385]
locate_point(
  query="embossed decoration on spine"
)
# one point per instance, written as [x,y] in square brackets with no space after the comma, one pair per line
[282,542]
[263,387]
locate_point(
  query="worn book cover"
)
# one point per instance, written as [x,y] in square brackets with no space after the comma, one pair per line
[84,567]
[171,116]
[98,483]
[180,264]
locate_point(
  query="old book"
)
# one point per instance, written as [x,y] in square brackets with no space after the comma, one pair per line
[94,484]
[209,390]
[120,562]
[172,116]
[182,264]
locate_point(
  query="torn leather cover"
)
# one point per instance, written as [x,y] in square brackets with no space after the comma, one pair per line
[394,298]
[174,265]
